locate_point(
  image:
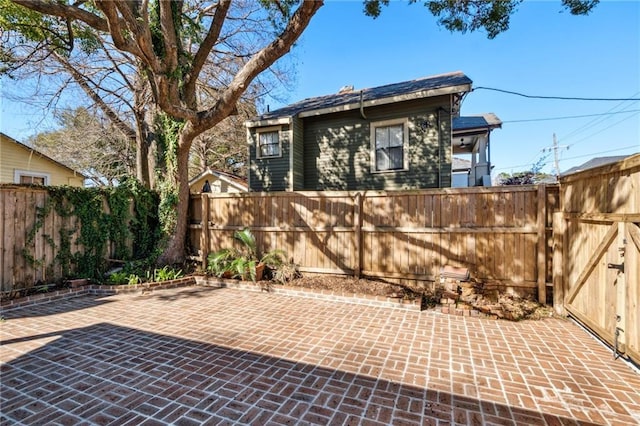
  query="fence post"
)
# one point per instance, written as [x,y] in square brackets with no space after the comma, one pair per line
[559,226]
[542,244]
[357,230]
[204,229]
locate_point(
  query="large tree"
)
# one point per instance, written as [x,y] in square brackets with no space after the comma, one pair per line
[171,41]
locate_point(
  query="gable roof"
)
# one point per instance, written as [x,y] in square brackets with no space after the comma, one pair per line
[454,82]
[231,179]
[595,162]
[34,151]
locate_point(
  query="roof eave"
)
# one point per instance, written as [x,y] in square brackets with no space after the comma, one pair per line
[276,121]
[389,100]
[44,156]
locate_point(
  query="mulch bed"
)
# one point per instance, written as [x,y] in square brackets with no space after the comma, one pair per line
[501,306]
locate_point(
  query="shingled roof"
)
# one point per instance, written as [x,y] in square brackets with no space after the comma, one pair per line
[473,122]
[352,99]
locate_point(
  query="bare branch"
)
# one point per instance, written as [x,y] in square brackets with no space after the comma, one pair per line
[205,48]
[81,80]
[170,60]
[115,28]
[260,62]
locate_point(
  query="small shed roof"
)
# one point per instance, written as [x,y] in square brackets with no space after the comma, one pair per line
[454,82]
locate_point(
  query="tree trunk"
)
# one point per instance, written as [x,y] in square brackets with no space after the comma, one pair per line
[174,252]
[145,144]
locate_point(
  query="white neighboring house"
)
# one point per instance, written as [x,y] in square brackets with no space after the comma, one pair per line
[218,182]
[460,170]
[472,135]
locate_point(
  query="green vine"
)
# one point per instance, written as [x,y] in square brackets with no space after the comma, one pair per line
[168,136]
[91,220]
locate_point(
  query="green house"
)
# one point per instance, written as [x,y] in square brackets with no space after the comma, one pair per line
[398,136]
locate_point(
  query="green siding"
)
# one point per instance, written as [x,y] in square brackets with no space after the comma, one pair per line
[337,148]
[269,174]
[297,157]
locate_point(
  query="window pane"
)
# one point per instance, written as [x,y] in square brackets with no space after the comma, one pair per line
[395,136]
[32,180]
[395,158]
[389,147]
[382,137]
[269,144]
[382,160]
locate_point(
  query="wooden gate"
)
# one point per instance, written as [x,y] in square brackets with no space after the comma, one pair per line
[601,274]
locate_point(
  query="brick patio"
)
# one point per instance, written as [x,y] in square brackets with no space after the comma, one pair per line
[201,355]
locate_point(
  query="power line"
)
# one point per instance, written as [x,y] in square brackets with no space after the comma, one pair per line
[601,152]
[569,158]
[562,98]
[570,116]
[599,131]
[597,121]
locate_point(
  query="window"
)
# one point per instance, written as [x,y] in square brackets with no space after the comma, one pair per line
[32,178]
[389,142]
[268,144]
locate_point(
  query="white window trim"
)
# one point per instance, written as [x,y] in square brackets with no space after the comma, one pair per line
[269,130]
[405,143]
[19,173]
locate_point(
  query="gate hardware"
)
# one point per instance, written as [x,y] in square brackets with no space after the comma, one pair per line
[616,354]
[618,266]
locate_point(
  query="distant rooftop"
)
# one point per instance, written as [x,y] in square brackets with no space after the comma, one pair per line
[595,162]
[460,164]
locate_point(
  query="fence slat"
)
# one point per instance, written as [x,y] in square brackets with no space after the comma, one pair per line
[499,233]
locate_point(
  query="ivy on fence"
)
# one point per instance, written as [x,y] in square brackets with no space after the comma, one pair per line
[125,216]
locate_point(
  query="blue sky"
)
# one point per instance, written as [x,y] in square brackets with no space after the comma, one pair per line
[545,52]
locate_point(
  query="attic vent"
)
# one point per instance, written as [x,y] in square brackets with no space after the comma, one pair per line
[346,89]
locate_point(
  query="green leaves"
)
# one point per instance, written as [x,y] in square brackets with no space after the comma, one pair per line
[88,225]
[580,7]
[473,15]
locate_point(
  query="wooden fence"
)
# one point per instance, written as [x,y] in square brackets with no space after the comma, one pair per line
[502,234]
[597,242]
[27,258]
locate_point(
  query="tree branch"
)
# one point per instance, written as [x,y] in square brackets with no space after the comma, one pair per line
[140,30]
[81,80]
[115,28]
[205,48]
[65,11]
[170,60]
[260,62]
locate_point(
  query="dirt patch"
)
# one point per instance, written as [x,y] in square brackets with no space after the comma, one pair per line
[501,306]
[341,284]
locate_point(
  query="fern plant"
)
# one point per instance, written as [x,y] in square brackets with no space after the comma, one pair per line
[244,262]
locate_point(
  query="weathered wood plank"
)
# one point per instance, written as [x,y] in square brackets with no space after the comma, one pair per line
[542,245]
[401,232]
[600,250]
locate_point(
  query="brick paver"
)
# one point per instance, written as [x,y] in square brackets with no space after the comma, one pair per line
[201,355]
